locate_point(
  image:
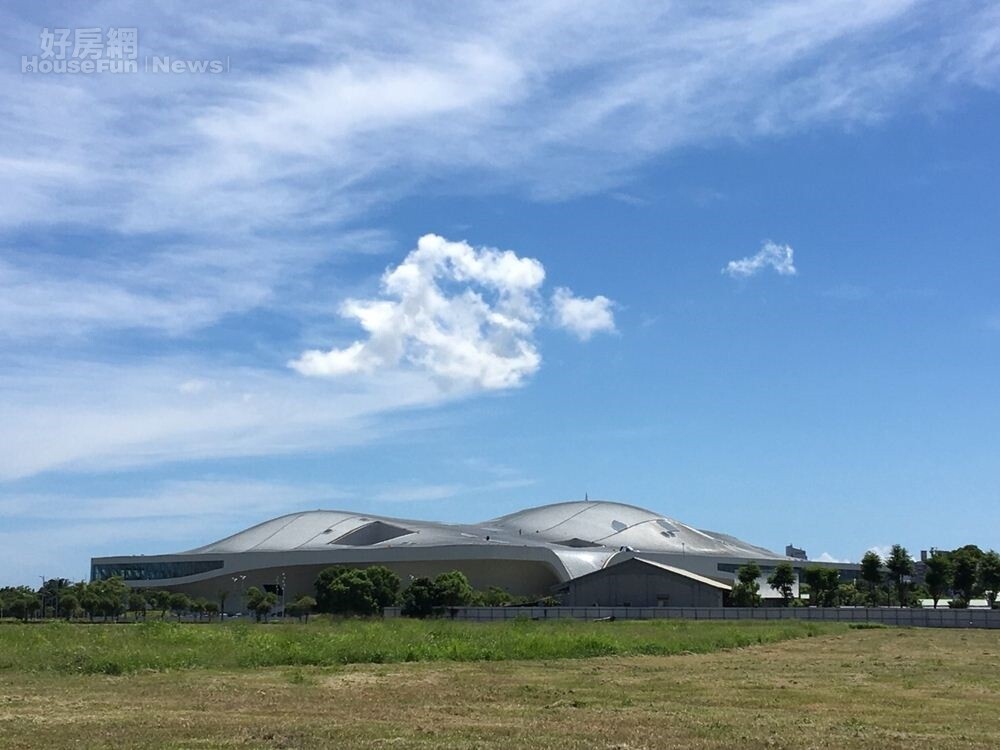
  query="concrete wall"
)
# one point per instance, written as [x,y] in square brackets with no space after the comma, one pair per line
[918,618]
[637,585]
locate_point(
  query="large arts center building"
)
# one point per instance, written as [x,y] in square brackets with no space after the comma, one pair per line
[569,549]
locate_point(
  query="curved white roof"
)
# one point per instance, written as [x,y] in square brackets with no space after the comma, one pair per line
[617,525]
[580,531]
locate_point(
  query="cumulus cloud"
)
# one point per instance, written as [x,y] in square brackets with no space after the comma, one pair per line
[882,550]
[581,316]
[771,255]
[828,558]
[465,315]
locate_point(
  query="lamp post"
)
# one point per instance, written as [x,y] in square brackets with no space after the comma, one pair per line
[281,582]
[240,579]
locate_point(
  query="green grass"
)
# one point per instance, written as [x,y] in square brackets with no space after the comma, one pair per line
[853,689]
[165,646]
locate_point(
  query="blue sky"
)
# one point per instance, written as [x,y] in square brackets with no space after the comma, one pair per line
[736,264]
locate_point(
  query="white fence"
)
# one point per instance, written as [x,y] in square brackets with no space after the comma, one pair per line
[920,618]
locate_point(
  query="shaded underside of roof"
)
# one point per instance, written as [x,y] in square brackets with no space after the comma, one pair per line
[651,565]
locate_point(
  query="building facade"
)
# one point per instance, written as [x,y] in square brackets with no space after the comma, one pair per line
[529,553]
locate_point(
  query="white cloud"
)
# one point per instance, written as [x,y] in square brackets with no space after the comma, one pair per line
[328,113]
[581,316]
[828,558]
[771,255]
[225,498]
[455,319]
[465,315]
[56,537]
[78,416]
[882,550]
[417,492]
[177,202]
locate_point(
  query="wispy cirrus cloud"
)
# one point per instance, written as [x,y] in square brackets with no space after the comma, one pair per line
[45,534]
[97,417]
[779,258]
[328,113]
[429,492]
[174,208]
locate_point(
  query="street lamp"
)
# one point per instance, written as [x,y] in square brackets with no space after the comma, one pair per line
[240,579]
[280,581]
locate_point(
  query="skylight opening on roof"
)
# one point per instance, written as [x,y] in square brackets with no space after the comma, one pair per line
[371,533]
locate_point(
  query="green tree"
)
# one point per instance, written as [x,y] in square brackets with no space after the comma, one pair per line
[178,603]
[988,576]
[421,598]
[199,606]
[50,593]
[965,563]
[782,580]
[211,609]
[746,590]
[260,602]
[90,602]
[160,600]
[346,591]
[137,604]
[848,594]
[111,594]
[871,574]
[23,607]
[453,589]
[900,566]
[23,603]
[385,585]
[938,576]
[494,596]
[68,604]
[302,607]
[823,585]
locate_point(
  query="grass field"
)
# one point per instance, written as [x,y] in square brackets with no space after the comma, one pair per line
[877,688]
[163,646]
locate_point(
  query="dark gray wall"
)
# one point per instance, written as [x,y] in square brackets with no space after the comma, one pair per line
[639,586]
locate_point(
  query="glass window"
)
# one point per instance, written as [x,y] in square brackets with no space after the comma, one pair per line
[152,571]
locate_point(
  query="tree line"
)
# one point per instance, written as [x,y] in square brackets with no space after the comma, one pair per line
[959,575]
[367,591]
[339,591]
[109,599]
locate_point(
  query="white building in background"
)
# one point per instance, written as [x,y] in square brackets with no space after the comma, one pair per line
[531,552]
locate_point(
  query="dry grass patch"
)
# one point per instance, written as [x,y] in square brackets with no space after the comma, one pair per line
[860,689]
